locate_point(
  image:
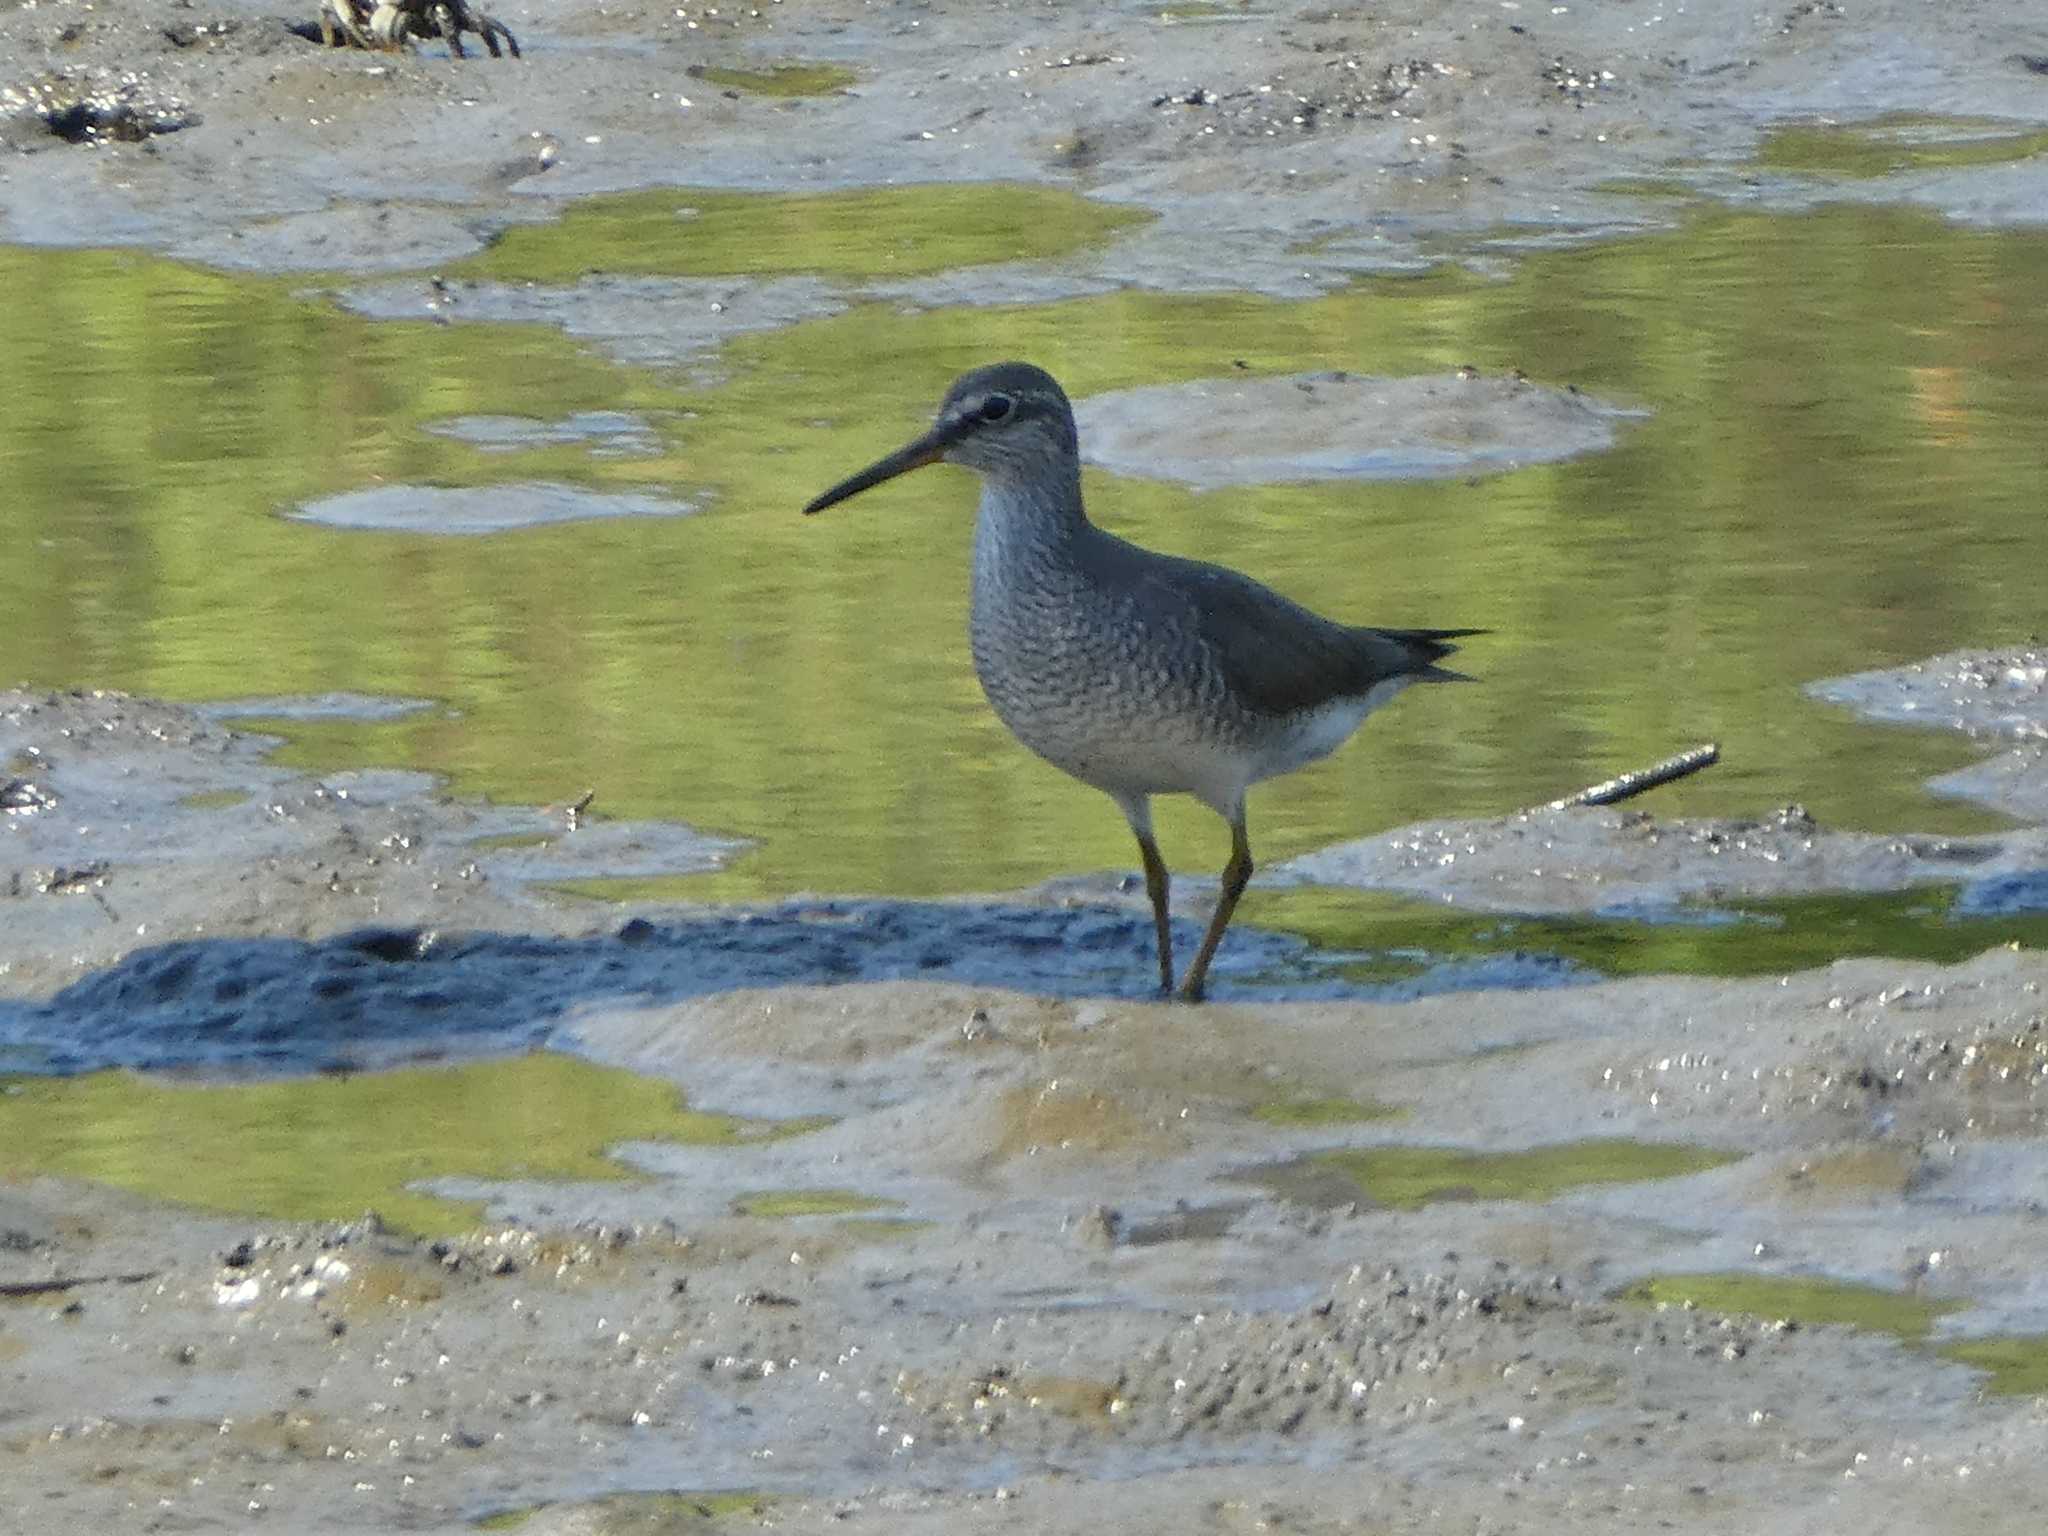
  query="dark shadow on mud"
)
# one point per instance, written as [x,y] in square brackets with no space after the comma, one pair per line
[374,997]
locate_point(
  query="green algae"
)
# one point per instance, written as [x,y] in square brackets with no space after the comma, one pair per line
[1899,142]
[214,799]
[328,1148]
[644,1514]
[881,1229]
[513,842]
[509,1519]
[779,80]
[1394,935]
[1797,1299]
[2018,1362]
[1208,10]
[870,233]
[1300,1114]
[1407,1178]
[1645,187]
[779,1204]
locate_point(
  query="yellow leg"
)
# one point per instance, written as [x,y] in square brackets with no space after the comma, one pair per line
[1236,875]
[1137,811]
[1156,883]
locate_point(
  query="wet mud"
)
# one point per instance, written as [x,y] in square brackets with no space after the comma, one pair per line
[373,920]
[1017,1331]
[477,509]
[1628,861]
[1249,142]
[1450,1243]
[1995,698]
[1217,432]
[918,1216]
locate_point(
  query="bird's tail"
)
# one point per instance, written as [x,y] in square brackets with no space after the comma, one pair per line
[1425,647]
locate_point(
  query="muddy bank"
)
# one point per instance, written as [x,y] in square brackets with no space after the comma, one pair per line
[174,900]
[1032,1250]
[130,823]
[1625,860]
[1219,432]
[1083,1280]
[1994,697]
[1010,1245]
[1251,137]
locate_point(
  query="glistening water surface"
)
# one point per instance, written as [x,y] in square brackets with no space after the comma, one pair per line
[867,232]
[1391,937]
[1843,469]
[1901,142]
[328,1148]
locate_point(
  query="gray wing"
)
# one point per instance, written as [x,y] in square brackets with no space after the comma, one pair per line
[1277,657]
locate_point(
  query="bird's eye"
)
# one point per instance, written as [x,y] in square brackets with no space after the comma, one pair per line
[995,407]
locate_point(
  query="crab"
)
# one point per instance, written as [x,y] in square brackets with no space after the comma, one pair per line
[345,21]
[395,22]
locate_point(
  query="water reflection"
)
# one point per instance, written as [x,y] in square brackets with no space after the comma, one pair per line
[1905,141]
[1843,470]
[866,232]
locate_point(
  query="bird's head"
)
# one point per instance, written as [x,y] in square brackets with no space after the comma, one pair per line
[1006,419]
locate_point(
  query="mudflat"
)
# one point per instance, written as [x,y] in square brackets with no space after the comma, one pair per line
[987,1250]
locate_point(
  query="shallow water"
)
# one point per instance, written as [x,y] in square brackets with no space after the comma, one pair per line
[372,997]
[871,232]
[1408,1178]
[1901,142]
[1842,469]
[2017,1363]
[785,79]
[1367,936]
[331,1147]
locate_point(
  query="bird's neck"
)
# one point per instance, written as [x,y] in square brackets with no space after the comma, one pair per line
[1027,517]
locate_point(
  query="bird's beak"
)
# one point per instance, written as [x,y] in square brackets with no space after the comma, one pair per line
[928,449]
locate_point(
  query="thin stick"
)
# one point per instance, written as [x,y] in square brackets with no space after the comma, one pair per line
[21,1288]
[1629,785]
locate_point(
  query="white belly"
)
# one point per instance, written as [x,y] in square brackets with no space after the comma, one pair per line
[1168,759]
[1316,733]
